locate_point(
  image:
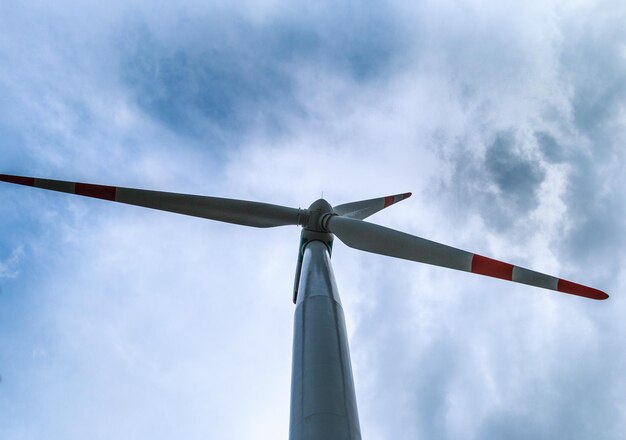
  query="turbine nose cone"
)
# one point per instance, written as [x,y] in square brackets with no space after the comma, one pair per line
[317,211]
[322,206]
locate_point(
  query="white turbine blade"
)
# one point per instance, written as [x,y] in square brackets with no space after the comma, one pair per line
[241,212]
[380,240]
[362,209]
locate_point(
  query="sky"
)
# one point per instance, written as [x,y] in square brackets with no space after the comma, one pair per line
[506,120]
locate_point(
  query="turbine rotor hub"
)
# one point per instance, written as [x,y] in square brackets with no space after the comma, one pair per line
[318,212]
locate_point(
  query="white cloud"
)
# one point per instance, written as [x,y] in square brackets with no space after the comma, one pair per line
[9,267]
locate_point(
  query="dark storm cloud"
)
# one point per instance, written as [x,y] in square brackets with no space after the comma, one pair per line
[550,148]
[231,72]
[503,184]
[515,176]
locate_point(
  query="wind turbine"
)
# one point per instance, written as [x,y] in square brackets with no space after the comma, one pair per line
[323,401]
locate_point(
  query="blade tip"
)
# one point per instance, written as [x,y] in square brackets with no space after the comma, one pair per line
[596,294]
[390,200]
[580,290]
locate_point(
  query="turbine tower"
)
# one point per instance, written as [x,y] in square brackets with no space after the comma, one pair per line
[323,400]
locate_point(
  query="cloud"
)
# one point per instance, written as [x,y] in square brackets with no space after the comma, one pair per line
[223,71]
[146,324]
[8,267]
[504,184]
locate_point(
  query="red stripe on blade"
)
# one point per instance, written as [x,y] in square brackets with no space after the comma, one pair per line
[389,200]
[493,268]
[580,290]
[406,195]
[97,191]
[28,181]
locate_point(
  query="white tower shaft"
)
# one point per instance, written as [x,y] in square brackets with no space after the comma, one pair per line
[323,401]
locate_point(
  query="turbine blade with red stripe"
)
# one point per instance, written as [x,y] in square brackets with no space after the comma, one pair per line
[380,240]
[241,212]
[364,208]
